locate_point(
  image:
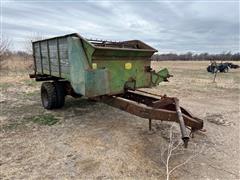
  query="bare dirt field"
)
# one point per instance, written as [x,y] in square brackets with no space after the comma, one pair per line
[90,140]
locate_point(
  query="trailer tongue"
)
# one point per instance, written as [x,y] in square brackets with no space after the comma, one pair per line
[155,107]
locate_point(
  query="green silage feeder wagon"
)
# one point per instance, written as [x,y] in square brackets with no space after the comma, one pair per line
[107,71]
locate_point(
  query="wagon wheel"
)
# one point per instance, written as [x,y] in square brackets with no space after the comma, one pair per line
[225,70]
[48,95]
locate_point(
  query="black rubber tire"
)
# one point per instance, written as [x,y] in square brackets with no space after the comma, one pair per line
[212,69]
[48,95]
[60,94]
[225,70]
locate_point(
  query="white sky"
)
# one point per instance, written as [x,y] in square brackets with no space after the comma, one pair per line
[169,26]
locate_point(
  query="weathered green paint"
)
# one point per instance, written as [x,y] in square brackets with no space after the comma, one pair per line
[97,82]
[89,50]
[83,78]
[159,76]
[78,65]
[115,68]
[118,75]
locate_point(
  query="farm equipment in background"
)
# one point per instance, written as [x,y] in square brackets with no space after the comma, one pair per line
[215,67]
[109,72]
[233,66]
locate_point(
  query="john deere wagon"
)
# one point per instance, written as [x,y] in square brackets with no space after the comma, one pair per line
[107,71]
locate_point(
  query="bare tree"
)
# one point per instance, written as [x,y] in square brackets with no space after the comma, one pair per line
[168,152]
[4,50]
[28,42]
[190,56]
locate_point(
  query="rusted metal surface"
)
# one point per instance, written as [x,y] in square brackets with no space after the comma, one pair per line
[150,124]
[149,112]
[185,135]
[133,44]
[155,108]
[44,77]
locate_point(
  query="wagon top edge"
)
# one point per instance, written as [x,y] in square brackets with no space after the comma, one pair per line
[131,45]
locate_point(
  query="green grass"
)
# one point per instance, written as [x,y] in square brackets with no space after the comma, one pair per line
[45,119]
[31,94]
[30,82]
[9,127]
[5,86]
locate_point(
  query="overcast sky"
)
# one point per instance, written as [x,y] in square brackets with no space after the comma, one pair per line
[169,26]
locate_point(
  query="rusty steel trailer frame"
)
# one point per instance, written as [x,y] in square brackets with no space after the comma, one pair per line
[155,107]
[111,72]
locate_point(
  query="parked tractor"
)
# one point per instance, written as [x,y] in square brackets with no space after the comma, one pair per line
[233,66]
[215,67]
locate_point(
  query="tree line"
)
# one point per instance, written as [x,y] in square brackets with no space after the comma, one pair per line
[189,56]
[169,56]
[197,57]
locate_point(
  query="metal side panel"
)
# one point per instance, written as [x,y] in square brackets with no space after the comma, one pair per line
[38,59]
[78,65]
[122,71]
[58,52]
[45,59]
[51,57]
[63,54]
[97,82]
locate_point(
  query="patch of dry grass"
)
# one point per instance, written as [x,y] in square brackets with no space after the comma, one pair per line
[17,63]
[190,77]
[95,141]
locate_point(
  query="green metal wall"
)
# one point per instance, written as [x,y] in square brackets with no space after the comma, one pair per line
[119,75]
[92,70]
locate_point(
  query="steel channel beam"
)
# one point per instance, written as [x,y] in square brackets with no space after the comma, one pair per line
[185,135]
[34,58]
[58,56]
[40,51]
[49,59]
[147,112]
[153,100]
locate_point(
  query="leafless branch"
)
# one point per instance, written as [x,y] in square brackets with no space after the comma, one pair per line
[173,145]
[186,161]
[4,52]
[30,39]
[4,45]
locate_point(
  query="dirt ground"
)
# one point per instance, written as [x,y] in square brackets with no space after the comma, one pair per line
[94,141]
